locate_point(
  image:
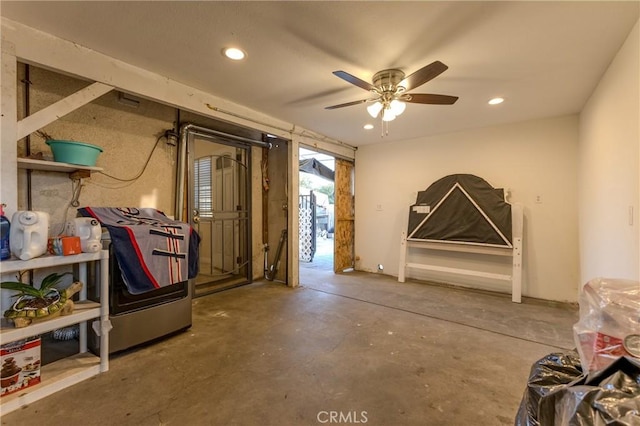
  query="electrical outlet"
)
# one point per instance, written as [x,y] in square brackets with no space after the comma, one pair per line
[538,199]
[379,207]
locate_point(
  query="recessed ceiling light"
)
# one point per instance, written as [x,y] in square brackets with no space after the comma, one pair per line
[496,101]
[234,53]
[368,126]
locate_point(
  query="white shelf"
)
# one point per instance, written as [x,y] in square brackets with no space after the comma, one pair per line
[53,166]
[83,311]
[46,261]
[54,377]
[74,369]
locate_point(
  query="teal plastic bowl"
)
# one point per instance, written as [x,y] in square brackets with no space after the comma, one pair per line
[81,153]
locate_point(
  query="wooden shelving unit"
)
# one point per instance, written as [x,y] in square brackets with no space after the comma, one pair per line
[71,370]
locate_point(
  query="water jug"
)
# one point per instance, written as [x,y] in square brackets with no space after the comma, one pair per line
[89,231]
[5,226]
[29,234]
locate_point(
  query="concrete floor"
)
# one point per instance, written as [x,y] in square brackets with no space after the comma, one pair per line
[360,345]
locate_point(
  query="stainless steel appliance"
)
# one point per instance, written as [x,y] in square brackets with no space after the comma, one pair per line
[142,318]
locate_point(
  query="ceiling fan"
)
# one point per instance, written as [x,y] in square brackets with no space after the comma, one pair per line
[390,89]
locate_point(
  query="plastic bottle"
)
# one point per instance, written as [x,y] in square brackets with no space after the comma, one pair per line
[5,227]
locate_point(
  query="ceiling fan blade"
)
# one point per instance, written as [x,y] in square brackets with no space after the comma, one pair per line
[354,80]
[423,75]
[426,98]
[347,104]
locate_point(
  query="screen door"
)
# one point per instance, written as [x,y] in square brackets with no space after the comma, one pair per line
[220,212]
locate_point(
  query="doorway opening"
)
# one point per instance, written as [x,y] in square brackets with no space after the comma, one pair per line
[220,191]
[316,209]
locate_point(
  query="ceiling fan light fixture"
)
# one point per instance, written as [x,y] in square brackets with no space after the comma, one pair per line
[374,109]
[388,115]
[390,88]
[495,101]
[397,107]
[368,126]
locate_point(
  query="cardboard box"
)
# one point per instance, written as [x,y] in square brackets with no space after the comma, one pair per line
[20,365]
[64,246]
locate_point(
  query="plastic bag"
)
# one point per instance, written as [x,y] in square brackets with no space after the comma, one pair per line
[609,325]
[607,397]
[560,393]
[551,373]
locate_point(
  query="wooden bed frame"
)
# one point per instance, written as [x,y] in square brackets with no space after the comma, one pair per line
[514,249]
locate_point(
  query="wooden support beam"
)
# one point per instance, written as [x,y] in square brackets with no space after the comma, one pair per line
[47,115]
[8,146]
[293,213]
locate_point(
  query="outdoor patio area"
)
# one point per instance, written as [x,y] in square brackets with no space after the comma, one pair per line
[323,257]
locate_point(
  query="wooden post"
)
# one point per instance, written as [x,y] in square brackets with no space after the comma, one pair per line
[403,256]
[516,275]
[8,126]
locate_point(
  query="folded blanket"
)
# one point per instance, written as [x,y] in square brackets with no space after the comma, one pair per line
[152,250]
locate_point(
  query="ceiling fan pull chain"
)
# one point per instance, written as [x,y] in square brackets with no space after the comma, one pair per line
[385,127]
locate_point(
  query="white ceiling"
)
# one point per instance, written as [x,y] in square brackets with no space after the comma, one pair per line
[545,58]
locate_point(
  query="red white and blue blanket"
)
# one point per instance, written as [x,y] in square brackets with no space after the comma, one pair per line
[152,250]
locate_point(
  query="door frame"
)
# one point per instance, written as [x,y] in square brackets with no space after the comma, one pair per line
[338,150]
[241,219]
[183,202]
[349,218]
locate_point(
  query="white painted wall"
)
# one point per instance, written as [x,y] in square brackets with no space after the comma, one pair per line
[534,158]
[609,172]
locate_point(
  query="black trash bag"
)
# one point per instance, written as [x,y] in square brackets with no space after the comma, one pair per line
[608,397]
[560,393]
[554,371]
